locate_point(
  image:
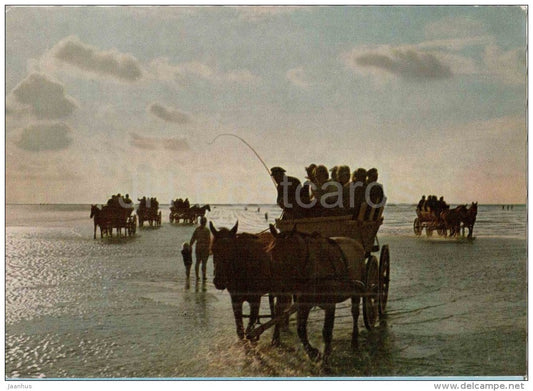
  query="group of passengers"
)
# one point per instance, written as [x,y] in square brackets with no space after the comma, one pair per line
[117,202]
[148,203]
[321,195]
[180,204]
[432,204]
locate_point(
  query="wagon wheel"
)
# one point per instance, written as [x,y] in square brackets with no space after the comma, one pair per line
[417,227]
[371,296]
[384,278]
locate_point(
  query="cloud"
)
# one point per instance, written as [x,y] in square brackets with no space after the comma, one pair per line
[406,64]
[45,137]
[183,73]
[298,77]
[110,63]
[454,27]
[156,143]
[168,114]
[42,97]
[507,66]
[258,13]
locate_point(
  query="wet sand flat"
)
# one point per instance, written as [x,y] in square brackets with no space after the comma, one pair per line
[121,308]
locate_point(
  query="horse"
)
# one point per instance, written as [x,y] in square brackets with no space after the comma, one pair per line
[242,266]
[470,219]
[198,211]
[319,271]
[452,219]
[100,220]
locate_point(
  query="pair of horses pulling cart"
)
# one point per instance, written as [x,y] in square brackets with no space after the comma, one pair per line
[108,218]
[316,261]
[448,222]
[187,215]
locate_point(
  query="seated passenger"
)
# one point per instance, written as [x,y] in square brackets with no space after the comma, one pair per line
[291,196]
[334,174]
[374,195]
[421,203]
[356,194]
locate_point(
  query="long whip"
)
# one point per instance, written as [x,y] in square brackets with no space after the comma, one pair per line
[249,146]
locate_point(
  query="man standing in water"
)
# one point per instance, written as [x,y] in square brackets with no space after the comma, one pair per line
[202,237]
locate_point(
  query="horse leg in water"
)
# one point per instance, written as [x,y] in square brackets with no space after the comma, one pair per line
[236,303]
[254,302]
[355,316]
[301,325]
[282,303]
[327,330]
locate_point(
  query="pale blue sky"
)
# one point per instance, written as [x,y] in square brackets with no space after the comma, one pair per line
[103,100]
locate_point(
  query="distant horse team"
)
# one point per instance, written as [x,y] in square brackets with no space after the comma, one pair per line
[437,214]
[459,218]
[108,218]
[181,211]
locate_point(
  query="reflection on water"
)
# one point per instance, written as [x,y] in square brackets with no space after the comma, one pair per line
[123,307]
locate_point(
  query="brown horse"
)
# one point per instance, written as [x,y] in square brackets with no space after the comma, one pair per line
[100,220]
[243,267]
[470,219]
[452,219]
[320,272]
[196,211]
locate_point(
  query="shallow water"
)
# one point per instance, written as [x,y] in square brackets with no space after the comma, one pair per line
[121,308]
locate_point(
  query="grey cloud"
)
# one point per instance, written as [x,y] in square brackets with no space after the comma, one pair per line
[88,58]
[155,143]
[45,97]
[167,114]
[407,64]
[176,144]
[45,137]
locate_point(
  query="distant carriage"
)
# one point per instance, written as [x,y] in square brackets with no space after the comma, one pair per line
[109,218]
[187,214]
[450,222]
[149,213]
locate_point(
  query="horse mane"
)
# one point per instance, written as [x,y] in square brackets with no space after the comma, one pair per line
[246,235]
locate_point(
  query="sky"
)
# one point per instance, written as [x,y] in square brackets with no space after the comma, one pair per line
[106,100]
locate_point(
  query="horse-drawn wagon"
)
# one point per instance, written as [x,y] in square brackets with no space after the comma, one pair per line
[448,222]
[317,261]
[187,214]
[376,275]
[150,214]
[109,218]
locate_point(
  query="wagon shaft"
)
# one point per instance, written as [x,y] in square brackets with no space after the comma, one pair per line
[255,333]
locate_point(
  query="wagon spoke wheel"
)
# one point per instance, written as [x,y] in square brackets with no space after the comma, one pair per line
[371,296]
[417,228]
[384,278]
